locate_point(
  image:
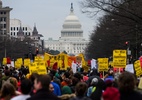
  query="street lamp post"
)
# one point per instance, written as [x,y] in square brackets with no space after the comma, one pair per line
[29,50]
[5,41]
[5,52]
[136,42]
[141,49]
[128,52]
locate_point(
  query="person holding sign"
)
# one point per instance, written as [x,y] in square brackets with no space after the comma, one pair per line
[109,75]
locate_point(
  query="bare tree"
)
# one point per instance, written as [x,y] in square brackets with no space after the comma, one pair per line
[122,22]
[129,9]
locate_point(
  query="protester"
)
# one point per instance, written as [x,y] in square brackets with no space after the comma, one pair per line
[57,90]
[93,74]
[97,91]
[7,91]
[66,93]
[51,88]
[92,88]
[85,77]
[109,75]
[41,84]
[111,93]
[127,84]
[78,76]
[56,77]
[108,83]
[14,82]
[5,76]
[74,86]
[74,82]
[80,92]
[65,78]
[66,90]
[32,77]
[25,89]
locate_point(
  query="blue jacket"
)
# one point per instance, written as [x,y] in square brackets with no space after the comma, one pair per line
[57,90]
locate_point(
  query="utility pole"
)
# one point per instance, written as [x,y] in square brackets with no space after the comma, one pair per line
[136,42]
[5,51]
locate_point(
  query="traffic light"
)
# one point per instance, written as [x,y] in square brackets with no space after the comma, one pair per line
[37,51]
[126,43]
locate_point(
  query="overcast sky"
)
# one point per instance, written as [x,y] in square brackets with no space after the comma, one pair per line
[48,15]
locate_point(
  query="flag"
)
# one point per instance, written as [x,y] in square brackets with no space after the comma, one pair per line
[8,60]
[48,63]
[55,66]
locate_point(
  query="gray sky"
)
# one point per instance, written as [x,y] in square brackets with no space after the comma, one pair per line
[48,15]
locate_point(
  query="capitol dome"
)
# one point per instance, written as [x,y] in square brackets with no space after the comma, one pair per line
[71,17]
[71,26]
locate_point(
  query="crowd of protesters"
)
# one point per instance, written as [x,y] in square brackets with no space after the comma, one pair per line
[18,84]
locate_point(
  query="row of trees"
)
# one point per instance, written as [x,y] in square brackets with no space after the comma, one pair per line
[15,48]
[122,21]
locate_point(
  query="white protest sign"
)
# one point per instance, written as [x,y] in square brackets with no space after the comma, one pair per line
[129,68]
[12,63]
[93,64]
[74,67]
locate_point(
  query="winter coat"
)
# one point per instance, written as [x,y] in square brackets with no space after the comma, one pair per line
[43,94]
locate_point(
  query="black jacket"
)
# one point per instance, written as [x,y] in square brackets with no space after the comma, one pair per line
[43,94]
[134,95]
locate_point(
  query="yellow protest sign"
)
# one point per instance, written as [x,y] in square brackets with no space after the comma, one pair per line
[83,62]
[60,63]
[102,64]
[41,63]
[140,84]
[27,62]
[86,68]
[46,56]
[39,68]
[52,61]
[38,59]
[20,61]
[63,63]
[4,61]
[137,67]
[17,64]
[33,68]
[57,58]
[66,61]
[119,58]
[110,63]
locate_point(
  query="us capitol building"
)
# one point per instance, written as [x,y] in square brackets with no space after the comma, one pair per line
[71,39]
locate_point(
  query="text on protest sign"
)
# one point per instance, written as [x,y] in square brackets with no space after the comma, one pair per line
[119,58]
[102,64]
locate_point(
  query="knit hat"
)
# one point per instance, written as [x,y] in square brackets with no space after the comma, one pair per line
[111,93]
[57,75]
[66,90]
[94,81]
